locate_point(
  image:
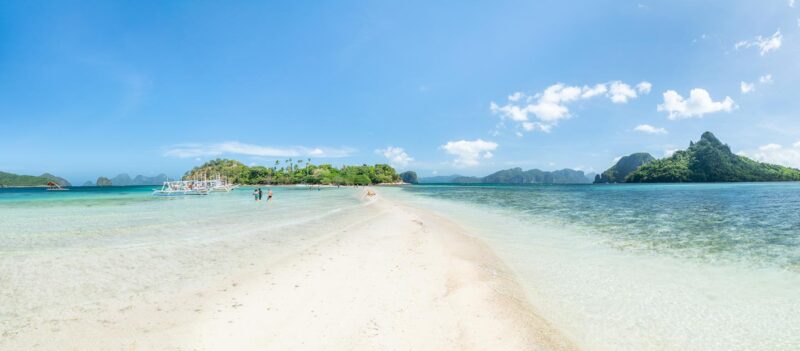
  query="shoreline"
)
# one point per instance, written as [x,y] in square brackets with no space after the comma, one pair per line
[397,277]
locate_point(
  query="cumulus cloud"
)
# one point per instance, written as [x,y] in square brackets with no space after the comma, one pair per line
[746,87]
[468,153]
[542,111]
[698,104]
[669,152]
[193,150]
[646,128]
[765,79]
[763,44]
[619,92]
[644,87]
[791,3]
[396,155]
[777,154]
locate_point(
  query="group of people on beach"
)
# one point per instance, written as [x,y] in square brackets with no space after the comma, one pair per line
[257,194]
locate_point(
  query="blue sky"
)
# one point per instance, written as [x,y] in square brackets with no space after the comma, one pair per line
[101,88]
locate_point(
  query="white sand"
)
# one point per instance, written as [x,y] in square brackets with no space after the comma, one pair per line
[399,278]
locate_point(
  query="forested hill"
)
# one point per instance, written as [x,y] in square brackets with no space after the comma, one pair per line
[625,166]
[294,172]
[709,160]
[11,179]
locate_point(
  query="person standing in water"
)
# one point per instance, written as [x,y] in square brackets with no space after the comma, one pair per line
[260,194]
[255,194]
[269,194]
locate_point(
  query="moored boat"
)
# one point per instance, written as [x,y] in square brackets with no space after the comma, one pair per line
[182,187]
[52,186]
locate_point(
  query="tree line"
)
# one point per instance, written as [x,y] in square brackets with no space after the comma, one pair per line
[290,171]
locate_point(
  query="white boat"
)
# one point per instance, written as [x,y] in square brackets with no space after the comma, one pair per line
[220,185]
[182,187]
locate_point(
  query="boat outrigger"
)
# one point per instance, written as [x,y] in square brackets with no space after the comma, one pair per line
[220,185]
[182,187]
[53,186]
[195,187]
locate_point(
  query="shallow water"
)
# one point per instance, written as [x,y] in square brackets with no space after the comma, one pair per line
[628,267]
[66,254]
[645,267]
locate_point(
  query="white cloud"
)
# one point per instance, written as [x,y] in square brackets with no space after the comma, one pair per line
[619,92]
[791,3]
[616,159]
[515,97]
[396,155]
[746,87]
[776,154]
[669,152]
[646,128]
[589,92]
[542,111]
[193,150]
[698,104]
[645,87]
[763,44]
[468,153]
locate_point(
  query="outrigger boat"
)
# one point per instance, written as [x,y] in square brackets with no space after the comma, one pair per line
[182,187]
[52,186]
[220,185]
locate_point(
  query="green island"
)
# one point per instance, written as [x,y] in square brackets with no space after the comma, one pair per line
[16,180]
[709,160]
[296,172]
[625,166]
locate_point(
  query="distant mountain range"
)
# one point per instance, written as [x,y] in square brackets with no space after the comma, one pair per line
[11,179]
[517,176]
[124,180]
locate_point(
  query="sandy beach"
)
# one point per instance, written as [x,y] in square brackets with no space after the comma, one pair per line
[395,278]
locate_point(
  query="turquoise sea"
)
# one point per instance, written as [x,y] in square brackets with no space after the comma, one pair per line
[644,267]
[615,267]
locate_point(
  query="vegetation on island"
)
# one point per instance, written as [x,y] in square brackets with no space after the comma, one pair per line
[294,172]
[409,177]
[624,166]
[11,179]
[709,160]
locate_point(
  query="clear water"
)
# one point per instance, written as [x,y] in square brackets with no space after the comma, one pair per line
[755,223]
[645,267]
[629,267]
[68,254]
